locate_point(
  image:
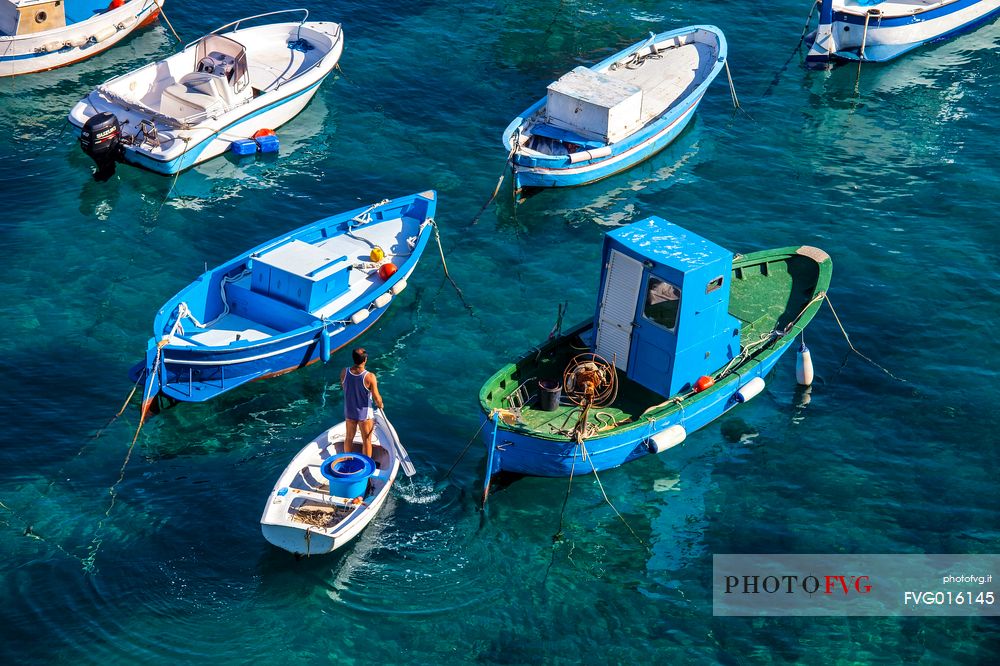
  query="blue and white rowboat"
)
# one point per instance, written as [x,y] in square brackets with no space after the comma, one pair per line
[596,122]
[287,303]
[872,31]
[225,86]
[38,35]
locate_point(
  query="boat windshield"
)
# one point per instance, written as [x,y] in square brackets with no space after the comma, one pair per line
[216,54]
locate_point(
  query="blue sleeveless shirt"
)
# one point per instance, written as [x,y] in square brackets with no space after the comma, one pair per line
[357,397]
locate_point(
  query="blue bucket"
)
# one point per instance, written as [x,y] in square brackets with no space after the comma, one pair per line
[348,473]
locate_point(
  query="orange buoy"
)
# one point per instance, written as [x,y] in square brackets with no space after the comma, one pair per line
[115,4]
[386,271]
[704,382]
[262,132]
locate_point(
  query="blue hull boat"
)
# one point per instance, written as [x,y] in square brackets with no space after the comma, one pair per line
[289,302]
[683,332]
[596,122]
[873,31]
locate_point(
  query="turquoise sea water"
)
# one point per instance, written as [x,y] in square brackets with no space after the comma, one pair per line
[893,172]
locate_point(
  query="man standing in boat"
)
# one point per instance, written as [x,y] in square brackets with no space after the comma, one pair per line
[360,395]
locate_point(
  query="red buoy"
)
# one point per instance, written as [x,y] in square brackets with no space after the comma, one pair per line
[386,271]
[115,4]
[704,382]
[262,132]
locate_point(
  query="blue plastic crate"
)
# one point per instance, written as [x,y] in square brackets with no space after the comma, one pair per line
[244,147]
[267,143]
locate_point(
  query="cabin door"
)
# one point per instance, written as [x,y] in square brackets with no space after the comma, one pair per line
[654,339]
[617,314]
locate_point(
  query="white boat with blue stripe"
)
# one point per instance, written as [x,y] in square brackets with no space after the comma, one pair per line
[873,31]
[38,35]
[596,122]
[178,112]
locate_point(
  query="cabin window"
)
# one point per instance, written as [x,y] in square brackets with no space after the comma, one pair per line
[662,301]
[713,285]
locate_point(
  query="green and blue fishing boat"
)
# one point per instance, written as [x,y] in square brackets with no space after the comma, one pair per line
[683,331]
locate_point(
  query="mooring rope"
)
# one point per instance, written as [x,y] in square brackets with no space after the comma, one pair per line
[732,88]
[173,183]
[462,454]
[864,35]
[120,411]
[559,536]
[557,327]
[28,530]
[437,237]
[514,142]
[342,73]
[620,516]
[169,25]
[805,28]
[95,544]
[854,349]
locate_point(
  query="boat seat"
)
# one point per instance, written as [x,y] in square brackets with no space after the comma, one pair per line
[314,479]
[195,93]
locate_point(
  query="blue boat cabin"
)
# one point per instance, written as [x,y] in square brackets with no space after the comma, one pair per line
[663,307]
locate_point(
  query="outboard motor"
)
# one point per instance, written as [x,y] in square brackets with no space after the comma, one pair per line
[101,139]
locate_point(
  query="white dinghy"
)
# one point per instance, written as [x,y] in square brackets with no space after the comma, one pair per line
[224,87]
[38,35]
[326,496]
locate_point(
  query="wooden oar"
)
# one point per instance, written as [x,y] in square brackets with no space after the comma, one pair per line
[404,457]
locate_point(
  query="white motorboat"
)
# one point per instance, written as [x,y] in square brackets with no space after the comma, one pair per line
[224,87]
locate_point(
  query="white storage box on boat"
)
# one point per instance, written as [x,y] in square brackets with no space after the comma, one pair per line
[594,105]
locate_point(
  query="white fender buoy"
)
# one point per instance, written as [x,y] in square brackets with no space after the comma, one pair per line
[383,300]
[803,366]
[78,42]
[666,439]
[593,154]
[749,390]
[103,34]
[359,316]
[398,287]
[49,47]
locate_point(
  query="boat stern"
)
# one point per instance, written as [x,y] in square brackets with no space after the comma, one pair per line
[822,42]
